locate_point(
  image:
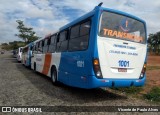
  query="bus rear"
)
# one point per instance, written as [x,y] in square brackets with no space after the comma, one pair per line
[121,50]
[19,54]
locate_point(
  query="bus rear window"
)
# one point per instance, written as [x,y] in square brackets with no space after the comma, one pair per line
[117,26]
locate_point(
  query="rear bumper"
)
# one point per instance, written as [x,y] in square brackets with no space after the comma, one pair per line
[116,82]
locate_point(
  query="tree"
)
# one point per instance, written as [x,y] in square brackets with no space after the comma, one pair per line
[154,42]
[26,33]
[4,44]
[158,42]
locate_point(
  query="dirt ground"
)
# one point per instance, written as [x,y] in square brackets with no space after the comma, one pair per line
[153,75]
[23,87]
[153,60]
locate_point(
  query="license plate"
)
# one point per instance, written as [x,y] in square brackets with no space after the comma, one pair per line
[122,69]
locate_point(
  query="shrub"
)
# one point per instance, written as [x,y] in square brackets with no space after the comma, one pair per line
[153,95]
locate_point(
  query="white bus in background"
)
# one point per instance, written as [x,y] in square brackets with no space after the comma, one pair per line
[37,50]
[19,54]
[27,54]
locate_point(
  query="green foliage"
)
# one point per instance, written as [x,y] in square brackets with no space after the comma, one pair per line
[4,44]
[26,33]
[154,42]
[13,45]
[130,90]
[153,95]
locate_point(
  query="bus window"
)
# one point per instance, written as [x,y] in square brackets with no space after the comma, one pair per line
[45,47]
[31,48]
[63,42]
[79,42]
[85,28]
[49,41]
[37,46]
[53,39]
[121,27]
[40,48]
[75,31]
[42,43]
[52,43]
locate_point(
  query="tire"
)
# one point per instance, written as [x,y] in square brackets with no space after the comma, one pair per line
[54,76]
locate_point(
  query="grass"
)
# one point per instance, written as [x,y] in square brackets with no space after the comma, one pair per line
[153,95]
[130,90]
[153,67]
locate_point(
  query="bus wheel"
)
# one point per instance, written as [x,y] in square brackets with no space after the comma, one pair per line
[34,66]
[54,76]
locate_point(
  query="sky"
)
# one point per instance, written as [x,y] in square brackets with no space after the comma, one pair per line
[47,16]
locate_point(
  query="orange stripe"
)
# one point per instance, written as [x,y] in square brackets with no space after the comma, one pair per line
[47,63]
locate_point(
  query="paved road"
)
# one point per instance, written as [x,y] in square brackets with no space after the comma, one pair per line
[21,86]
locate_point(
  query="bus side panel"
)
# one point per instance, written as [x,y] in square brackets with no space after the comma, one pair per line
[47,63]
[74,68]
[33,59]
[62,72]
[29,55]
[23,58]
[39,60]
[55,61]
[28,58]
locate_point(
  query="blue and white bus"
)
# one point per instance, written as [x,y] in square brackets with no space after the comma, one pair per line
[103,48]
[27,54]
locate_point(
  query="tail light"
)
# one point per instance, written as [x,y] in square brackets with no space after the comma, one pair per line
[143,71]
[97,69]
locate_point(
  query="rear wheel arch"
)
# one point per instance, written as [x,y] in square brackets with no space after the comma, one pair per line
[54,75]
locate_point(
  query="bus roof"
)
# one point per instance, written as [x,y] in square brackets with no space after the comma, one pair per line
[30,44]
[38,40]
[89,14]
[122,13]
[96,9]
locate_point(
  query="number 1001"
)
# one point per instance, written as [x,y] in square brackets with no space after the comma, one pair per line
[123,63]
